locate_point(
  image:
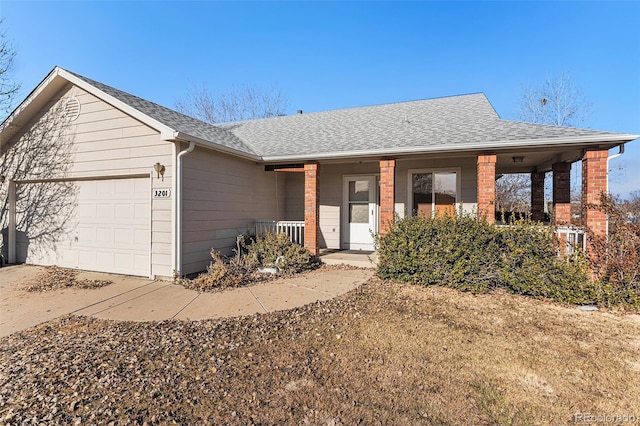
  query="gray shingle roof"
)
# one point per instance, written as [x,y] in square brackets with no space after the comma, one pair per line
[457,121]
[173,119]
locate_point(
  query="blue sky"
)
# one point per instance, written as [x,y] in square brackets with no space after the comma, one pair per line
[329,55]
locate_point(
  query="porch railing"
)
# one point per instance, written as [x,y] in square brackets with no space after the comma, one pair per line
[293,228]
[573,237]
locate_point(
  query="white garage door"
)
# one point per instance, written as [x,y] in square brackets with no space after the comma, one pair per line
[109,229]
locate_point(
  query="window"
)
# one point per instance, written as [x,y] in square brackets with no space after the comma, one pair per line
[433,192]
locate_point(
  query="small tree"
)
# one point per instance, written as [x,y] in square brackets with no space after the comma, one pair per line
[244,103]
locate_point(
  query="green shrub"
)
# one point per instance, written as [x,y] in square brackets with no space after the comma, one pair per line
[469,254]
[530,265]
[273,250]
[454,250]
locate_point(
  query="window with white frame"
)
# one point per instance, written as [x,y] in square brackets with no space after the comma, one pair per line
[433,191]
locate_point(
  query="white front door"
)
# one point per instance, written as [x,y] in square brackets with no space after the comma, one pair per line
[359,212]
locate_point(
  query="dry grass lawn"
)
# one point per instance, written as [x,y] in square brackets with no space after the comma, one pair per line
[382,354]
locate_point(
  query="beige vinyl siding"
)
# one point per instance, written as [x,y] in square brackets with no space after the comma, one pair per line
[294,203]
[223,196]
[105,142]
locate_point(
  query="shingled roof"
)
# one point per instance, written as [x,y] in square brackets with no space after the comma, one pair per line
[457,123]
[450,123]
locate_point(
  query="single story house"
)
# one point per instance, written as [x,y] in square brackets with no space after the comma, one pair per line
[99,179]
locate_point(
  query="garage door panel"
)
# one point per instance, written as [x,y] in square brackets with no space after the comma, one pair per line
[109,230]
[105,211]
[142,211]
[105,236]
[123,236]
[122,211]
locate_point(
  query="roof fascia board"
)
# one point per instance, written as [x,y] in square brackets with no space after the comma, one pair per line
[29,99]
[485,146]
[211,145]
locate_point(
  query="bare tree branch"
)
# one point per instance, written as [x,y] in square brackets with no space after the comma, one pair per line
[513,193]
[42,152]
[244,103]
[557,101]
[8,87]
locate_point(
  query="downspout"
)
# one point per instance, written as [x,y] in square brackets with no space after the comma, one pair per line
[620,152]
[12,244]
[178,197]
[609,158]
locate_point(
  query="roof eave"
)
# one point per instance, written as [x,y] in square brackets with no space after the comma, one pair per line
[181,136]
[491,146]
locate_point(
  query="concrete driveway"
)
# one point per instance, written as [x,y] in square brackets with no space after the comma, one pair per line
[140,299]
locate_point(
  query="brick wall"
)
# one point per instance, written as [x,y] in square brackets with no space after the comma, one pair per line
[312,208]
[487,186]
[561,193]
[594,182]
[387,194]
[537,196]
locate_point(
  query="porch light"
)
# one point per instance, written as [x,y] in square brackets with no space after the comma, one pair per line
[518,159]
[159,168]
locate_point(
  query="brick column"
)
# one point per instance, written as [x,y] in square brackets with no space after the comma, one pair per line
[487,187]
[594,182]
[312,208]
[387,194]
[561,193]
[537,196]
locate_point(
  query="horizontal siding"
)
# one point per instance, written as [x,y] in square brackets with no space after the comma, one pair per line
[294,196]
[222,197]
[105,141]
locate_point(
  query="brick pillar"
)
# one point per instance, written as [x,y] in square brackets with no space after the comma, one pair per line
[537,196]
[312,208]
[561,193]
[594,182]
[387,194]
[487,187]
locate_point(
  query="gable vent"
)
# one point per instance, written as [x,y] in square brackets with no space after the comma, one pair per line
[72,108]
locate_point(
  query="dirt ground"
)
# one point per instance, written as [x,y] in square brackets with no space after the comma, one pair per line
[382,354]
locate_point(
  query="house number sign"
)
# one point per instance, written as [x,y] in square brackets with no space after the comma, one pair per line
[161,193]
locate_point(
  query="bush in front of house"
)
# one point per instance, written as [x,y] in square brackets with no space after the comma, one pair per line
[252,254]
[277,250]
[453,250]
[615,258]
[530,265]
[464,252]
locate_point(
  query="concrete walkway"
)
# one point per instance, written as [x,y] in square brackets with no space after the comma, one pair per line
[139,299]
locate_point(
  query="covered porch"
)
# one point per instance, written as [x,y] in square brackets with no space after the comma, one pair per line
[333,206]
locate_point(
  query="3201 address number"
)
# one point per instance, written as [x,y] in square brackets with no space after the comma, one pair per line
[161,193]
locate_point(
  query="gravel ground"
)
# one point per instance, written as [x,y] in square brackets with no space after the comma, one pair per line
[381,354]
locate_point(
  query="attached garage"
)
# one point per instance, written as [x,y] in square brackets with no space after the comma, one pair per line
[107,227]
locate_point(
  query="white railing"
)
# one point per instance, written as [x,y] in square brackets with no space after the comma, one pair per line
[573,237]
[293,228]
